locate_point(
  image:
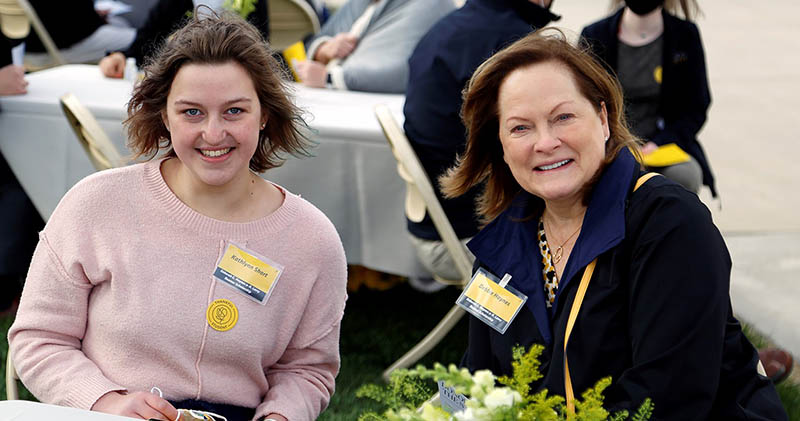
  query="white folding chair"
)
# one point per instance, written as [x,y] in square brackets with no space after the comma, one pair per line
[290,21]
[21,15]
[93,138]
[12,391]
[420,190]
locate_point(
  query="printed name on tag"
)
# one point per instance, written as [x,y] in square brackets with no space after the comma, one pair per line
[493,302]
[451,401]
[253,275]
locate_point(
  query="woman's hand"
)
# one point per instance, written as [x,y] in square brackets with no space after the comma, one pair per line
[276,417]
[311,73]
[12,80]
[113,65]
[136,405]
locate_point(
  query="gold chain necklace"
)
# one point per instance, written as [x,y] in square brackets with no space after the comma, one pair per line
[560,249]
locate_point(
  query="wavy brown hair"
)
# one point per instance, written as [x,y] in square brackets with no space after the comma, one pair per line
[211,38]
[482,161]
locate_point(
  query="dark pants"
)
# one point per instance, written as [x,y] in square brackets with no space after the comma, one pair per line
[231,412]
[18,235]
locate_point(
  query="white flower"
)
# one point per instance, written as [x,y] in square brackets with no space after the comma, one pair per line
[484,378]
[501,397]
[465,415]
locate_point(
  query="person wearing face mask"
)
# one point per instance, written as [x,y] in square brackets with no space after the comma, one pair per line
[660,63]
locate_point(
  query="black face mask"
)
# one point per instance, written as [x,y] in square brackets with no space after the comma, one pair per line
[643,7]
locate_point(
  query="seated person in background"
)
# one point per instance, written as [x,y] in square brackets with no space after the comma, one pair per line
[21,221]
[660,63]
[439,68]
[164,18]
[564,213]
[190,272]
[365,45]
[12,77]
[81,33]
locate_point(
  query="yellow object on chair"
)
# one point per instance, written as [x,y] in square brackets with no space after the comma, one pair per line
[666,155]
[293,53]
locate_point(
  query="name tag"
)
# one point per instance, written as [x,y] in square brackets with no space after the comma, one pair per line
[451,401]
[253,275]
[493,302]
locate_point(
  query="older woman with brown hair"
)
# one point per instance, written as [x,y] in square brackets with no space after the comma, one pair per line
[622,280]
[190,272]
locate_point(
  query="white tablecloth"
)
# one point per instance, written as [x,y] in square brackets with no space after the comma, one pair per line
[351,176]
[35,411]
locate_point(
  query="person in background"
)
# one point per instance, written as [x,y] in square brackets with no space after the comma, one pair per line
[165,17]
[660,63]
[81,33]
[625,276]
[21,221]
[365,45]
[189,272]
[439,68]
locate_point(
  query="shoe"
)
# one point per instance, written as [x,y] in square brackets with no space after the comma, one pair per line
[777,363]
[426,285]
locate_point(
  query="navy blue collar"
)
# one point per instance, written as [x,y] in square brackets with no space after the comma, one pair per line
[509,243]
[531,13]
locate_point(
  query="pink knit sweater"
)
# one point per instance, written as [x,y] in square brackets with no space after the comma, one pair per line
[118,288]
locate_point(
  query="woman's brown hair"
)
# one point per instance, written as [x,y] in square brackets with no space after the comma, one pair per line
[482,161]
[211,38]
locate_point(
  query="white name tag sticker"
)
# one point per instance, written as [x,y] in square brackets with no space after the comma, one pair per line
[493,302]
[253,275]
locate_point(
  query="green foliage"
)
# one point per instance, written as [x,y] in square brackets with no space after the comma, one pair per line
[486,400]
[405,392]
[242,7]
[525,369]
[645,411]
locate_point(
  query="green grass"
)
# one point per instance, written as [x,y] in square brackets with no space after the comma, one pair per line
[788,390]
[379,326]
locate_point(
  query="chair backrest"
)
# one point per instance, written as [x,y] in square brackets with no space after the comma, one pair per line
[419,190]
[17,10]
[12,392]
[290,21]
[98,146]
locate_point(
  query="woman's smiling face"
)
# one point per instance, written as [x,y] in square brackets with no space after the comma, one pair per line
[214,116]
[553,138]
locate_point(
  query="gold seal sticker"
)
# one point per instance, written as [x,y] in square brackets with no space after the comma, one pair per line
[658,74]
[222,315]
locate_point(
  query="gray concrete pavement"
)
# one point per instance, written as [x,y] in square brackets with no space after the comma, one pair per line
[753,58]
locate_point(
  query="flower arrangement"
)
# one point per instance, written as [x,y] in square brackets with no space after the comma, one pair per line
[406,394]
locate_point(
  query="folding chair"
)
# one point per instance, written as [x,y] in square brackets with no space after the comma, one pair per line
[95,141]
[419,190]
[290,21]
[12,392]
[16,18]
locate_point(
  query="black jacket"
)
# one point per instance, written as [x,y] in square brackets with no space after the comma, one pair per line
[685,96]
[656,316]
[439,68]
[67,22]
[169,15]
